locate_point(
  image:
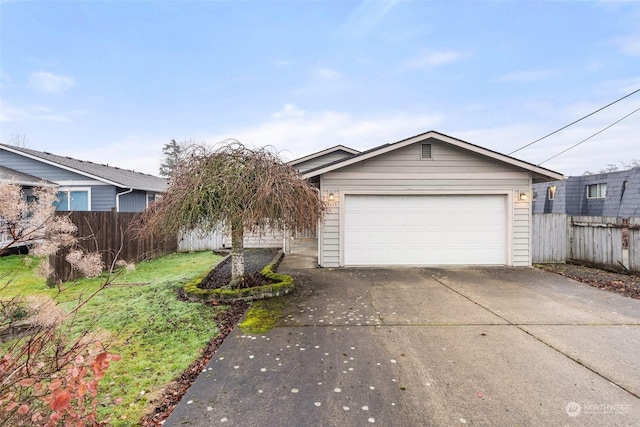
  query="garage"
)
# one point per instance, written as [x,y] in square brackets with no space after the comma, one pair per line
[456,229]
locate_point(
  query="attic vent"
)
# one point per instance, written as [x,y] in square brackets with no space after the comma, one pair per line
[426,151]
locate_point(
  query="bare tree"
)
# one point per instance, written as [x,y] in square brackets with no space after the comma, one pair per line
[19,140]
[248,190]
[611,167]
[32,221]
[48,376]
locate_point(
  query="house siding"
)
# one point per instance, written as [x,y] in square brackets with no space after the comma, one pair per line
[103,197]
[39,169]
[321,160]
[451,170]
[135,201]
[622,198]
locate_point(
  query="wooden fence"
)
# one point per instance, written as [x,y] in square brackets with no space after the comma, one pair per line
[112,234]
[195,241]
[557,238]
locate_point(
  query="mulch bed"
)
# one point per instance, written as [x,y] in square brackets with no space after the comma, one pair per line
[623,284]
[255,260]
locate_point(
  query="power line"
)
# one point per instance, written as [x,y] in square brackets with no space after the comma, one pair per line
[586,139]
[574,122]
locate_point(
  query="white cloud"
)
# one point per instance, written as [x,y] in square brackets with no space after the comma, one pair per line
[324,73]
[528,76]
[629,45]
[615,145]
[10,113]
[301,135]
[45,82]
[430,59]
[289,110]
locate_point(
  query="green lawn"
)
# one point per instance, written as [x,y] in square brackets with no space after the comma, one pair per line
[156,335]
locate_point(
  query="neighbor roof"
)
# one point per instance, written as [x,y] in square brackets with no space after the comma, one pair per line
[540,174]
[16,177]
[324,152]
[109,174]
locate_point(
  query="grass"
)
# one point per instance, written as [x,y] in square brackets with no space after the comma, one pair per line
[157,335]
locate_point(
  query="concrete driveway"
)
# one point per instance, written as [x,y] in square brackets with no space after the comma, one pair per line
[429,346]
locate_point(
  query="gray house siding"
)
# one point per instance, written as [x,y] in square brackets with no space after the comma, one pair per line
[622,195]
[321,160]
[103,197]
[452,170]
[135,201]
[36,168]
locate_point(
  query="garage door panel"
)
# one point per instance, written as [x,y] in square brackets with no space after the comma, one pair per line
[425,230]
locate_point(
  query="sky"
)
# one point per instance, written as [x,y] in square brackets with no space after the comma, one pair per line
[114,81]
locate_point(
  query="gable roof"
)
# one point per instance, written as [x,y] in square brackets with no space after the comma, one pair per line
[540,174]
[109,174]
[323,153]
[16,177]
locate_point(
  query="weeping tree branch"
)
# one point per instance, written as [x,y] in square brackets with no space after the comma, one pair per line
[249,190]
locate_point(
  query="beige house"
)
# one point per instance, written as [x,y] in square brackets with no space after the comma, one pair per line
[427,200]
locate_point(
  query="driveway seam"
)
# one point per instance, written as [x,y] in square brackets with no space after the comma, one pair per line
[516,325]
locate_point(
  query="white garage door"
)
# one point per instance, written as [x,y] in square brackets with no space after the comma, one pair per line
[425,230]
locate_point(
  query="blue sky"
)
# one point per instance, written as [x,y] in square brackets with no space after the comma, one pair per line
[113,81]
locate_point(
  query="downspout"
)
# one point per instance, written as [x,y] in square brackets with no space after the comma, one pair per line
[118,198]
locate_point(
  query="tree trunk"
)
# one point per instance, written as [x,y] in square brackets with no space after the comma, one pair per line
[237,255]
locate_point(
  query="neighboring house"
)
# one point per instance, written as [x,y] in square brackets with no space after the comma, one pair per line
[615,194]
[427,200]
[323,157]
[83,185]
[23,179]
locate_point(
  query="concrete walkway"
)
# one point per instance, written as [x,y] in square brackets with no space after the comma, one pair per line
[421,347]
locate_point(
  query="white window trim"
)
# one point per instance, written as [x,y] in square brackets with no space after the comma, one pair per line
[551,192]
[69,189]
[599,187]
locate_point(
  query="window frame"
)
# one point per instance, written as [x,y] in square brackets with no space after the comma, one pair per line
[551,192]
[600,190]
[68,191]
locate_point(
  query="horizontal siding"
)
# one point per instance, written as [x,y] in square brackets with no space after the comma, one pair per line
[322,160]
[444,157]
[36,168]
[330,256]
[451,170]
[103,198]
[135,201]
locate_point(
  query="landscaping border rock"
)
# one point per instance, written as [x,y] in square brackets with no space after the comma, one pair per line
[283,286]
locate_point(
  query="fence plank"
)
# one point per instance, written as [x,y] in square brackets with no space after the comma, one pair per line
[113,235]
[591,239]
[596,240]
[634,244]
[196,241]
[549,238]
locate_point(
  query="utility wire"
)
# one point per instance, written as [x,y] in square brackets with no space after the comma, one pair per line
[574,122]
[586,139]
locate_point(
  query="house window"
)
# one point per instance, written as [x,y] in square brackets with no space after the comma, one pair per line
[73,200]
[426,151]
[551,192]
[597,191]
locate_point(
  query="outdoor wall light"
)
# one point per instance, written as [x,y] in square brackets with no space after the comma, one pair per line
[331,197]
[523,196]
